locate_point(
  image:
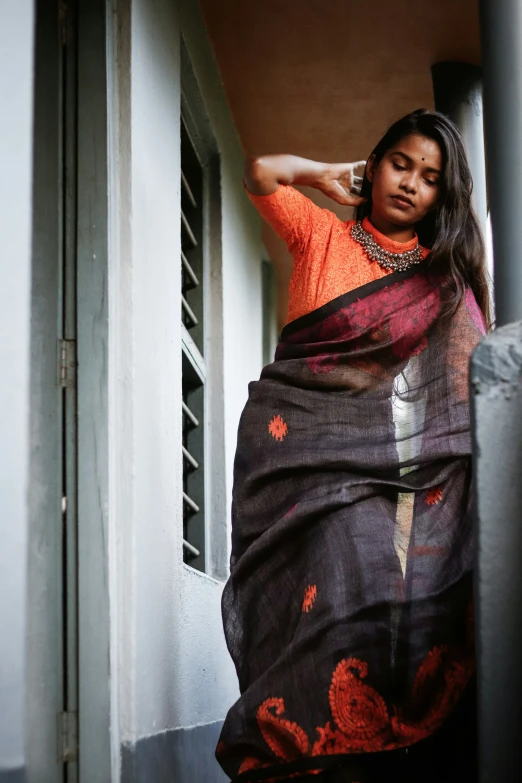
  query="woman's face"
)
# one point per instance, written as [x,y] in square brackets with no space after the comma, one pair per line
[406,181]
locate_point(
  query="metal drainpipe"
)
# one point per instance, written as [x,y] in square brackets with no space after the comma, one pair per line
[501,32]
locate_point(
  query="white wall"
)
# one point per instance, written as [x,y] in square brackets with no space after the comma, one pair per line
[16,68]
[173,666]
[241,238]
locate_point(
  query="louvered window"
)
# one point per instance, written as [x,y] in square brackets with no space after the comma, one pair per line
[269,293]
[193,189]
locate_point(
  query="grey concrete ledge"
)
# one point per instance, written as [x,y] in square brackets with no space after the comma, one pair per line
[12,775]
[180,755]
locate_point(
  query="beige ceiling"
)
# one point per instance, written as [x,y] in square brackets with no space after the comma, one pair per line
[324,78]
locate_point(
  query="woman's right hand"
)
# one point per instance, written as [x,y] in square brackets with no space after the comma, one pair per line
[342,182]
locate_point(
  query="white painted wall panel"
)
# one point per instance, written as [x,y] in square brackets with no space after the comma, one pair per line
[16,68]
[157,360]
[173,666]
[242,248]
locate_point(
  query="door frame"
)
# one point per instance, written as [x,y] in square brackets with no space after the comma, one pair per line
[94,540]
[45,664]
[47,599]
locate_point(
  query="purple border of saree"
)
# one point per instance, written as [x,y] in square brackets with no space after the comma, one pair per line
[331,307]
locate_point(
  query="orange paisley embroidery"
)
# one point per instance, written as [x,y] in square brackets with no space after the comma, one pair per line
[361,722]
[309,597]
[278,428]
[445,677]
[434,496]
[248,764]
[357,709]
[285,739]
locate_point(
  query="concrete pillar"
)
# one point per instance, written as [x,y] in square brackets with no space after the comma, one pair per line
[457,89]
[496,384]
[496,388]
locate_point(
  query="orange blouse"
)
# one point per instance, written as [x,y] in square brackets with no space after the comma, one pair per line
[328,262]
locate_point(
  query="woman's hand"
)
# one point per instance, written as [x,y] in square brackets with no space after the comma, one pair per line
[340,181]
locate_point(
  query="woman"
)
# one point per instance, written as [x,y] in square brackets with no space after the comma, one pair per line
[348,610]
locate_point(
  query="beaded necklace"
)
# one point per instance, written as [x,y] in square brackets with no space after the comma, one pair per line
[398,262]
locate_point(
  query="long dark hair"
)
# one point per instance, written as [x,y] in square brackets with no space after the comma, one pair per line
[451,232]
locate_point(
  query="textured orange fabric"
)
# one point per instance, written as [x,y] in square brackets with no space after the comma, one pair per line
[328,262]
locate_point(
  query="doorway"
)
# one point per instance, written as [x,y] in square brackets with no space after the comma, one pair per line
[68,693]
[52,648]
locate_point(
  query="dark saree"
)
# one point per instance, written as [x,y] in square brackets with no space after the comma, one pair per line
[348,612]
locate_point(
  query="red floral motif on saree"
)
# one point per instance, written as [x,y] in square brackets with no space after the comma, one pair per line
[357,709]
[434,496]
[405,321]
[323,363]
[285,739]
[361,721]
[249,763]
[389,319]
[309,597]
[278,428]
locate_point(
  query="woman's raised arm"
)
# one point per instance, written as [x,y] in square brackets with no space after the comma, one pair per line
[263,174]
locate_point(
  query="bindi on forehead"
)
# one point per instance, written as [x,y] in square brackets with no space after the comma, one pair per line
[419,150]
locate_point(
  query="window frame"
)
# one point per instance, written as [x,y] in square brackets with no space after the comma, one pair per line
[210,361]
